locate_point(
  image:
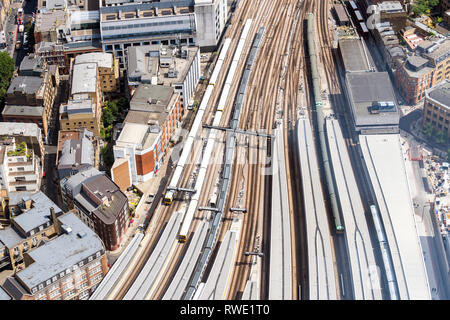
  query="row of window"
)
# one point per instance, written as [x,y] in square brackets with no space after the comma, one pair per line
[143,25]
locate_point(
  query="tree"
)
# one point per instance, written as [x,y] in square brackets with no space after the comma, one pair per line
[30,33]
[428,129]
[441,137]
[421,7]
[6,72]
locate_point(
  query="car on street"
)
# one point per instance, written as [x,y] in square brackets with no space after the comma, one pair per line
[150,198]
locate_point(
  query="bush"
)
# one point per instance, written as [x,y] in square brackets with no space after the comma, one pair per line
[6,72]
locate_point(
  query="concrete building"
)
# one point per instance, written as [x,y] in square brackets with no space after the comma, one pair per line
[341,14]
[372,102]
[24,132]
[31,226]
[51,26]
[100,204]
[108,70]
[191,22]
[393,12]
[436,107]
[20,168]
[354,55]
[79,33]
[389,44]
[430,65]
[62,258]
[144,139]
[178,67]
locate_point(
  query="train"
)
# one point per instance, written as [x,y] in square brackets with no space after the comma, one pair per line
[360,24]
[385,253]
[189,215]
[318,107]
[196,126]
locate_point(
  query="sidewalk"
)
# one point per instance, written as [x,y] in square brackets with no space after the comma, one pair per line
[149,187]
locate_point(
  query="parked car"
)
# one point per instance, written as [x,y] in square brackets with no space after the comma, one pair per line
[150,198]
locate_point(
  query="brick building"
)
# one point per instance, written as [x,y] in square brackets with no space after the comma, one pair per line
[31,94]
[62,259]
[422,71]
[147,130]
[100,204]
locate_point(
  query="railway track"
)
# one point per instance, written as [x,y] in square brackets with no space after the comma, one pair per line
[163,213]
[258,114]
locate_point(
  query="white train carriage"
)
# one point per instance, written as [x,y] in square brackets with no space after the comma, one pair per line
[186,224]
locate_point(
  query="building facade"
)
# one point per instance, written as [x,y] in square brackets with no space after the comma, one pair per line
[67,266]
[20,168]
[153,117]
[125,24]
[31,94]
[436,107]
[174,66]
[99,203]
[423,70]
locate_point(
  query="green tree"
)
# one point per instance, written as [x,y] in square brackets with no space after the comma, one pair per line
[420,7]
[441,137]
[30,33]
[428,130]
[6,72]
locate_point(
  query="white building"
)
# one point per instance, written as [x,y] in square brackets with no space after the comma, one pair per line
[178,67]
[125,24]
[20,168]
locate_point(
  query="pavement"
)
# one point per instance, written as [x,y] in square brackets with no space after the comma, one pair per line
[429,237]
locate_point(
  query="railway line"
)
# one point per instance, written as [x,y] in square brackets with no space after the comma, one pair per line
[163,213]
[277,93]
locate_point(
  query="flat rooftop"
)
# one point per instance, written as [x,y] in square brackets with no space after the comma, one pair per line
[136,134]
[22,129]
[84,78]
[390,185]
[27,111]
[103,59]
[440,93]
[62,253]
[50,20]
[372,99]
[144,63]
[25,85]
[352,53]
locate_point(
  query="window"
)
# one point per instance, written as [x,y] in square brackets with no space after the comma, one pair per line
[83,295]
[54,294]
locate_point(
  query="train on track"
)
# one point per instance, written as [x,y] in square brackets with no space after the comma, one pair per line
[189,215]
[360,24]
[318,107]
[196,126]
[385,253]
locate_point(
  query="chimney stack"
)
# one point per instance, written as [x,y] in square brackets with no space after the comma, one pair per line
[56,223]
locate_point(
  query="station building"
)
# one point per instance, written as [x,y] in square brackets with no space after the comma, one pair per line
[372,102]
